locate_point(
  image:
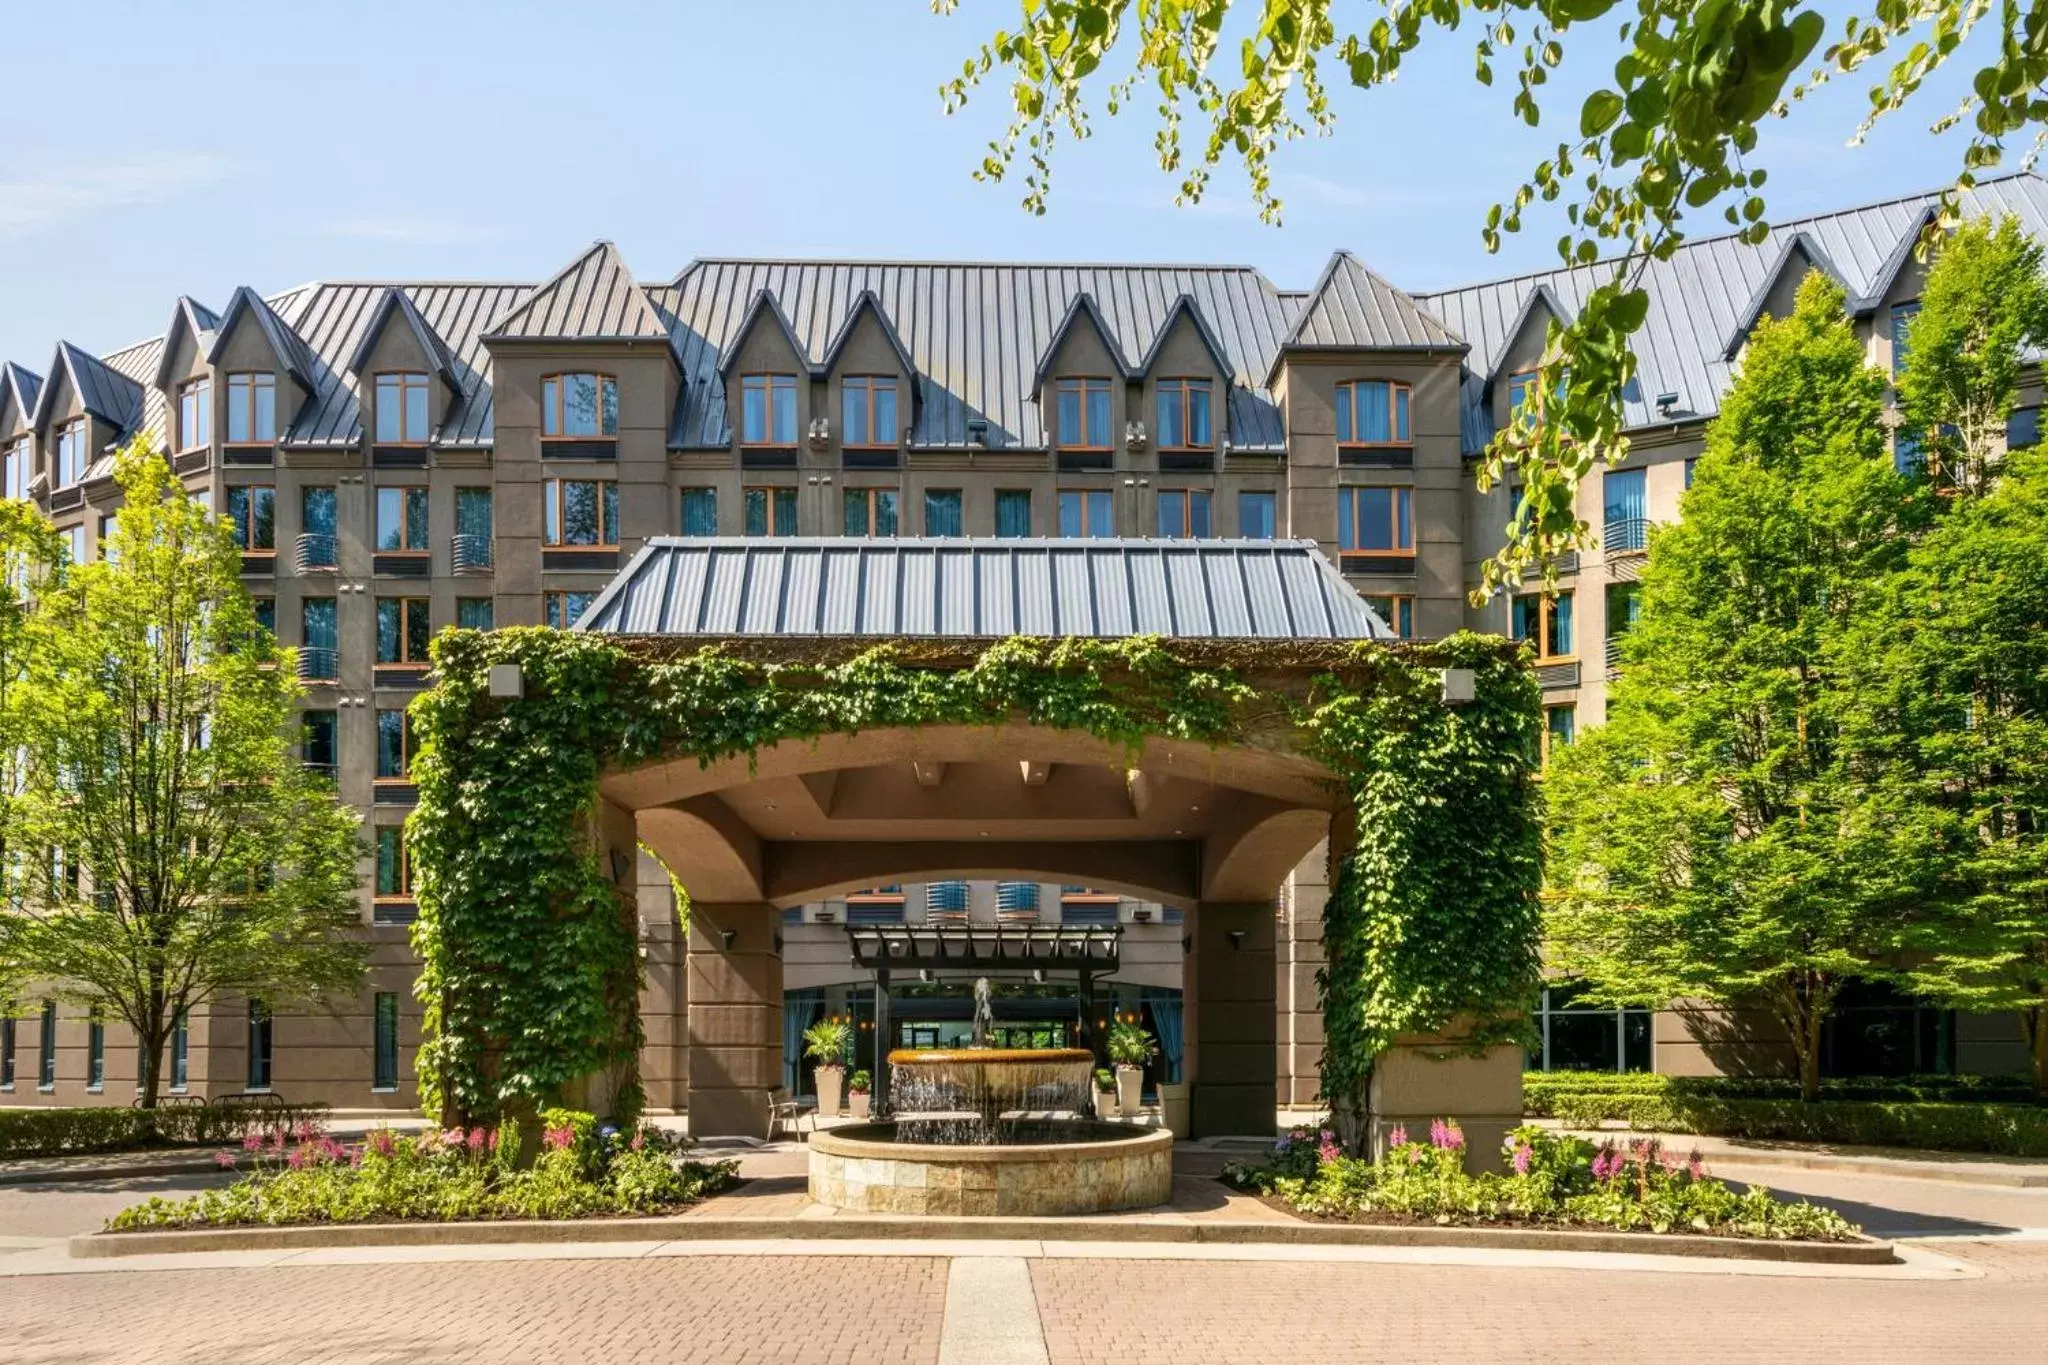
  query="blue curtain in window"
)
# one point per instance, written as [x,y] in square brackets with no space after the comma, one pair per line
[1627,510]
[1013,513]
[800,1009]
[942,514]
[1167,1015]
[1372,411]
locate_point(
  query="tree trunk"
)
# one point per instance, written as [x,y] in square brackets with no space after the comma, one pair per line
[2035,1022]
[1350,1117]
[1809,1055]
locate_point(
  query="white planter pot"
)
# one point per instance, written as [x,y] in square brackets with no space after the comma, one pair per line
[858,1103]
[1173,1107]
[830,1078]
[1130,1088]
[1105,1104]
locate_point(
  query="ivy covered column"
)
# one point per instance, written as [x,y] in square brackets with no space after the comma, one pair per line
[734,995]
[1232,1028]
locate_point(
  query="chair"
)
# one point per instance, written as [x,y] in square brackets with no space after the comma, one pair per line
[786,1111]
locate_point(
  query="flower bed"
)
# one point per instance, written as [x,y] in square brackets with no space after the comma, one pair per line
[580,1170]
[56,1131]
[1552,1181]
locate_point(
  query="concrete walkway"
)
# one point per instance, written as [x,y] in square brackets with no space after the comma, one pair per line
[1895,1163]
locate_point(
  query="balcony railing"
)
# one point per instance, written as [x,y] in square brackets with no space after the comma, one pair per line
[1613,655]
[315,553]
[472,554]
[318,665]
[1626,535]
[328,771]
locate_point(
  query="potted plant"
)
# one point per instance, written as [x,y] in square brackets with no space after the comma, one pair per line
[1105,1093]
[1130,1047]
[825,1043]
[857,1087]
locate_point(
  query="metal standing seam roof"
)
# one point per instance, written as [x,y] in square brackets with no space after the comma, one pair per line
[22,386]
[596,298]
[105,392]
[981,588]
[1351,307]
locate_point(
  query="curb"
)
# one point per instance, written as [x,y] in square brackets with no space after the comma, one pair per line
[104,1245]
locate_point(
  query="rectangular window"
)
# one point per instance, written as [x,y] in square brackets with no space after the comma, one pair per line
[1184,513]
[46,1044]
[316,511]
[266,613]
[1184,414]
[1522,391]
[319,747]
[1901,328]
[402,630]
[318,638]
[942,512]
[1372,412]
[401,409]
[1085,514]
[700,511]
[1579,1037]
[394,746]
[867,406]
[402,520]
[394,864]
[870,511]
[1083,413]
[252,513]
[1545,620]
[2023,428]
[771,511]
[768,410]
[95,1050]
[579,405]
[565,608]
[1560,724]
[20,468]
[70,453]
[580,512]
[181,1053]
[252,409]
[1376,521]
[195,415]
[385,1076]
[1691,466]
[475,613]
[74,544]
[259,1046]
[1255,516]
[1396,610]
[474,520]
[1624,609]
[1013,513]
[6,1054]
[1627,510]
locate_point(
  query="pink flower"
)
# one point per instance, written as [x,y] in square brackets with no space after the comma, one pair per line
[253,1142]
[639,1142]
[559,1139]
[1398,1136]
[1695,1167]
[1328,1149]
[1521,1158]
[479,1141]
[224,1160]
[383,1142]
[296,1158]
[1445,1137]
[1607,1163]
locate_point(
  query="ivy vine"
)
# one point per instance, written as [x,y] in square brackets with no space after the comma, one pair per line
[530,944]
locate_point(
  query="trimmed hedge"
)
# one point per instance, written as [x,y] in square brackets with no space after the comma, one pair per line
[58,1132]
[1542,1090]
[1999,1129]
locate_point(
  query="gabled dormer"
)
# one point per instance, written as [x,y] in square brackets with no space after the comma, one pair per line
[406,379]
[265,373]
[1188,380]
[1352,308]
[185,379]
[872,390]
[1525,346]
[1800,255]
[767,377]
[1081,382]
[19,390]
[84,408]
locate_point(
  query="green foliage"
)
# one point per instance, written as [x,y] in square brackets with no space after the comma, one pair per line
[27,1132]
[1105,1079]
[1130,1045]
[1668,132]
[1542,1091]
[827,1041]
[1715,841]
[185,854]
[530,973]
[1972,1126]
[860,1082]
[1552,1180]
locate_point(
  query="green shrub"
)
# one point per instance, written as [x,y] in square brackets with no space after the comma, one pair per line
[60,1132]
[2000,1129]
[1541,1090]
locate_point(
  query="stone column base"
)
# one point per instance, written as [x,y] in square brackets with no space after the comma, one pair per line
[1418,1081]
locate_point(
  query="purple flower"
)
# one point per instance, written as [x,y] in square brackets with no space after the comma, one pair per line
[1607,1163]
[1521,1159]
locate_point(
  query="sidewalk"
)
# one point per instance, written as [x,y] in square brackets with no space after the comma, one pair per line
[1895,1163]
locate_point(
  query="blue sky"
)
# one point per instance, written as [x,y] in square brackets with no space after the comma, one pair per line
[438,140]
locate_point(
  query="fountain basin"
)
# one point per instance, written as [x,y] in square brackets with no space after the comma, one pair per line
[1080,1167]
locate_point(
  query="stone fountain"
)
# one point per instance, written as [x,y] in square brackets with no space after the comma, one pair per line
[982,1130]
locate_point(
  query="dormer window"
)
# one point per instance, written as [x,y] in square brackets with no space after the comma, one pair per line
[1522,389]
[768,409]
[579,406]
[401,409]
[1184,414]
[1082,411]
[867,405]
[18,463]
[195,415]
[252,409]
[70,452]
[1372,412]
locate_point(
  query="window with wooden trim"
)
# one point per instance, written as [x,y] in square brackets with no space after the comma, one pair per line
[70,462]
[770,511]
[1560,727]
[1376,521]
[1183,513]
[767,409]
[20,467]
[252,409]
[564,608]
[394,864]
[1372,412]
[1085,513]
[1396,609]
[1522,390]
[401,409]
[1082,410]
[1902,315]
[73,540]
[195,415]
[1544,619]
[403,630]
[394,746]
[870,511]
[867,411]
[580,512]
[402,520]
[475,613]
[1184,421]
[579,407]
[252,515]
